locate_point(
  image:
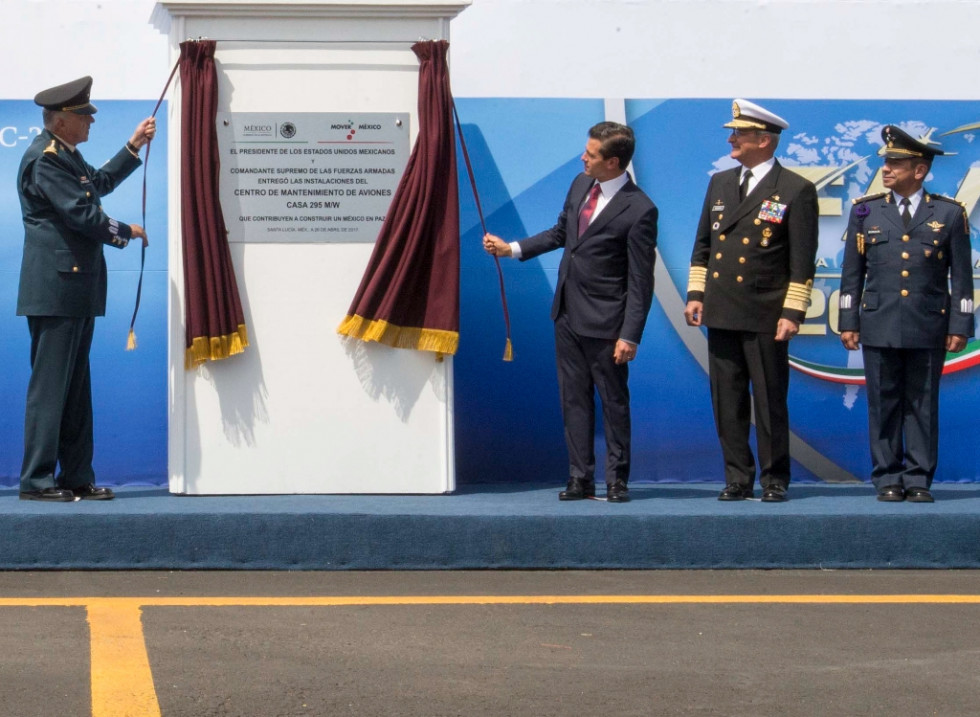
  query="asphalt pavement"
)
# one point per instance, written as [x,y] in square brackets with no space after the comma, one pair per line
[277,644]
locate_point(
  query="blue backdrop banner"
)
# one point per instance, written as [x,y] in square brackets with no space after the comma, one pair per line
[525,153]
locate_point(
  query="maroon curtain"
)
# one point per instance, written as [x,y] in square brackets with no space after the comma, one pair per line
[215,323]
[409,295]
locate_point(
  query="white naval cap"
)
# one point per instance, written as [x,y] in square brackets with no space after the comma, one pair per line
[749,115]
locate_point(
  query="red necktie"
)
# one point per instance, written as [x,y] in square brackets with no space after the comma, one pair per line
[588,209]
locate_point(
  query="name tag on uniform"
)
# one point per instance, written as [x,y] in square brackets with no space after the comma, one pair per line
[772,211]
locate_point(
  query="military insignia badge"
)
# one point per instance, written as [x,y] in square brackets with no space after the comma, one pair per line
[718,207]
[716,226]
[767,232]
[771,211]
[935,226]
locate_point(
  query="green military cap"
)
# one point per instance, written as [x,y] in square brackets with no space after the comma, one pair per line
[69,97]
[899,144]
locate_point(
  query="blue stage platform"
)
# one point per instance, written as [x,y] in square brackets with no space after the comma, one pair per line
[494,526]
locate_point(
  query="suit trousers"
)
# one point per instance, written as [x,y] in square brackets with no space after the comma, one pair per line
[735,360]
[903,414]
[58,421]
[585,365]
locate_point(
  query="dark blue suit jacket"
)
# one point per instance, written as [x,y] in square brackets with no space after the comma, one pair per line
[605,278]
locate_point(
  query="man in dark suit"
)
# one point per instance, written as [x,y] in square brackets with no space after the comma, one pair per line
[63,288]
[750,279]
[906,297]
[608,230]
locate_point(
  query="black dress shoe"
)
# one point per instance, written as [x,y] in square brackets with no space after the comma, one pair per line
[62,495]
[774,494]
[90,492]
[618,492]
[578,489]
[891,494]
[919,495]
[734,491]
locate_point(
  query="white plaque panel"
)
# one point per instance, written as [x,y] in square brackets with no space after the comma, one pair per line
[309,176]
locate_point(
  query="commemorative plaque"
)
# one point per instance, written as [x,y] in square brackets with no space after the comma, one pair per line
[309,176]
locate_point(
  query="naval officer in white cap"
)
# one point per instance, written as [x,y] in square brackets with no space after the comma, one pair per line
[750,278]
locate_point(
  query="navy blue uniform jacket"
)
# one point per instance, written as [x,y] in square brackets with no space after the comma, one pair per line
[753,260]
[907,287]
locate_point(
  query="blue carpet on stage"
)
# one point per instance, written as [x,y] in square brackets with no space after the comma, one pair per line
[494,526]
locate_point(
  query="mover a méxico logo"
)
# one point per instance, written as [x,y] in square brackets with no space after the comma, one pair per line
[837,186]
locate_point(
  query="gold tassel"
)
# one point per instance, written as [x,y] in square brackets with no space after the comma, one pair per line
[508,351]
[131,341]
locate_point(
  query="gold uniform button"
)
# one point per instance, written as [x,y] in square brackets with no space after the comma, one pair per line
[942,311]
[905,272]
[905,292]
[745,240]
[88,194]
[74,268]
[741,260]
[905,255]
[935,242]
[718,255]
[721,237]
[738,279]
[905,237]
[715,275]
[758,221]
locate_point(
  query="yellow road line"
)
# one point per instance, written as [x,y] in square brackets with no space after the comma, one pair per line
[342,600]
[122,684]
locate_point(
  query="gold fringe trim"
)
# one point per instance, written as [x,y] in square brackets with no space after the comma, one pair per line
[215,348]
[508,351]
[399,337]
[131,341]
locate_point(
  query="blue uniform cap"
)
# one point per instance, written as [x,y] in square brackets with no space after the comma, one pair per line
[899,144]
[70,97]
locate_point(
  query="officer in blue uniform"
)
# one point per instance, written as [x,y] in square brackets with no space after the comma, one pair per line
[906,298]
[63,287]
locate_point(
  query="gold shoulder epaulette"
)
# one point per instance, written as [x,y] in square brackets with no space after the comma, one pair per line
[52,148]
[868,197]
[944,198]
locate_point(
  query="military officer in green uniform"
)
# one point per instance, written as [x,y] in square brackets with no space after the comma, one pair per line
[63,287]
[906,298]
[749,283]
